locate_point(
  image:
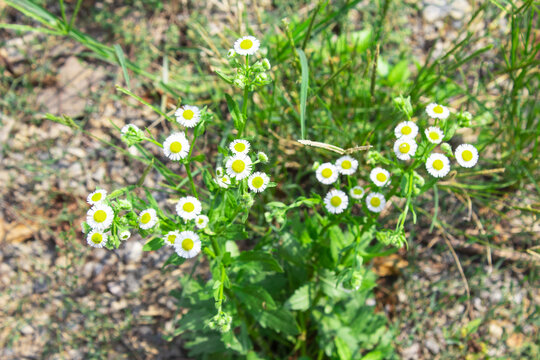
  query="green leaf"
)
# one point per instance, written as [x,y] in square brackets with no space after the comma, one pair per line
[471,327]
[154,244]
[399,73]
[234,109]
[174,259]
[303,91]
[300,299]
[255,298]
[280,320]
[342,349]
[260,257]
[227,78]
[122,61]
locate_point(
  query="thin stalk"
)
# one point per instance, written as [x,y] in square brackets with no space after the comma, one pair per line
[245,103]
[75,12]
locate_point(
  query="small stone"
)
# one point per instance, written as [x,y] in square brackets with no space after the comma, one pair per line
[133,251]
[116,288]
[27,330]
[412,352]
[433,346]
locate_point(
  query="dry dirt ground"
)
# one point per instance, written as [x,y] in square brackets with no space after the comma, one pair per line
[60,299]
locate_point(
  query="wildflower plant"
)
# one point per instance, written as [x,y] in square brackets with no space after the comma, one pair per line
[398,176]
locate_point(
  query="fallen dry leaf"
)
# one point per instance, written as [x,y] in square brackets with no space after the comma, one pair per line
[16,233]
[389,266]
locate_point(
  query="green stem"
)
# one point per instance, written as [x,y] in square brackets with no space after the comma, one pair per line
[246,97]
[75,12]
[187,164]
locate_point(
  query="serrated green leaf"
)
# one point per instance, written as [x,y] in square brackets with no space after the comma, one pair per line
[281,321]
[261,257]
[300,299]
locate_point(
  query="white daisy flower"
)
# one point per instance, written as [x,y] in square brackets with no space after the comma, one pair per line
[223,181]
[380,176]
[437,111]
[247,45]
[327,173]
[188,208]
[238,166]
[124,235]
[176,146]
[437,165]
[100,216]
[188,116]
[201,221]
[405,147]
[434,134]
[357,192]
[188,244]
[406,128]
[466,155]
[231,53]
[219,171]
[96,197]
[347,165]
[258,182]
[262,157]
[239,146]
[336,201]
[147,219]
[96,239]
[171,237]
[375,202]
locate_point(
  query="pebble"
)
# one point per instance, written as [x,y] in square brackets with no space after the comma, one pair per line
[432,346]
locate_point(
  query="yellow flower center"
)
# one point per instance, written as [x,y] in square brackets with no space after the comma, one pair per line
[145,219]
[171,239]
[357,191]
[434,135]
[467,155]
[240,147]
[188,114]
[381,177]
[406,130]
[96,197]
[404,148]
[335,201]
[438,109]
[200,221]
[238,166]
[326,173]
[96,238]
[375,201]
[246,44]
[188,207]
[346,165]
[187,244]
[224,179]
[438,164]
[257,182]
[176,147]
[100,216]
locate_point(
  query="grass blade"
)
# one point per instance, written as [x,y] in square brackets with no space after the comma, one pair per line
[122,61]
[303,91]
